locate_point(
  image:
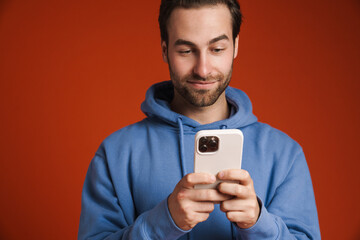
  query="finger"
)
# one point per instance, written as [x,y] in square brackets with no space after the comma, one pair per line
[235,189]
[240,175]
[238,205]
[200,207]
[203,207]
[192,179]
[243,219]
[207,195]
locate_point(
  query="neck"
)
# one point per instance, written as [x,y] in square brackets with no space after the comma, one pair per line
[203,115]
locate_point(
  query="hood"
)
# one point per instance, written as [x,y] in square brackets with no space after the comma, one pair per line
[157,105]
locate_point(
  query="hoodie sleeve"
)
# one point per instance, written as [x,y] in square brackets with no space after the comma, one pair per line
[291,213]
[105,216]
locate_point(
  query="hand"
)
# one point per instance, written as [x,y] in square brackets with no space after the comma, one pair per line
[189,206]
[244,208]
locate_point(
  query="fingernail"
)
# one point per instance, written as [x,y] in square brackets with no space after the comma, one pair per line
[221,175]
[213,178]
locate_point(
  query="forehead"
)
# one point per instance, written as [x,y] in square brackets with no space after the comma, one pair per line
[201,24]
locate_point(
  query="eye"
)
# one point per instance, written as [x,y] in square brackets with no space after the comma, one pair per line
[185,52]
[218,50]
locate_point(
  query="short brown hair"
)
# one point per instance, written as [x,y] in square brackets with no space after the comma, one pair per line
[167,6]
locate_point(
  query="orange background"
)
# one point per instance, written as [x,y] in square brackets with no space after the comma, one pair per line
[72,72]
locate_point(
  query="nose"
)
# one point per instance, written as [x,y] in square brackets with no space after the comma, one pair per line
[202,67]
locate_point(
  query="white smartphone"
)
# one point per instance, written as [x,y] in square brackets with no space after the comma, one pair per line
[217,150]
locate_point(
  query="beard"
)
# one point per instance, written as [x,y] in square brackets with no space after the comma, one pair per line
[200,97]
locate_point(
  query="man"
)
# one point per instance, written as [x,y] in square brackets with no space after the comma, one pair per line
[140,184]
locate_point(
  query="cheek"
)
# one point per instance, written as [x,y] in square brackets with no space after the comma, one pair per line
[223,64]
[181,66]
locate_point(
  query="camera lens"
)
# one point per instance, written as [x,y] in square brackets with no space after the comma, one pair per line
[203,140]
[203,148]
[213,143]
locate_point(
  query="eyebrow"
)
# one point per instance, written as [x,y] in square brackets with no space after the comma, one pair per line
[219,38]
[214,40]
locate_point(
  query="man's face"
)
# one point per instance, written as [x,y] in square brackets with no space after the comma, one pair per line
[200,53]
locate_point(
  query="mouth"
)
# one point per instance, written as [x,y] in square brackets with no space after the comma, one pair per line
[198,84]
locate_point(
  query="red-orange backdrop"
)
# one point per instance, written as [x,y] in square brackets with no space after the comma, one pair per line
[72,72]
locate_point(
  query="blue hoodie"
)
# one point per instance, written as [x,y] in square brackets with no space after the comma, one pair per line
[136,168]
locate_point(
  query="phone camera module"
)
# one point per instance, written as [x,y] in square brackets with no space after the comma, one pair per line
[208,144]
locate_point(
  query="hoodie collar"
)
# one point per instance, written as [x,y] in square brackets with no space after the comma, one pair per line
[157,105]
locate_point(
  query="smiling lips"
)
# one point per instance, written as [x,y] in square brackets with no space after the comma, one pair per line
[202,84]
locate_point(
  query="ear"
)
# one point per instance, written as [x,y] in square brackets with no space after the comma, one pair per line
[164,51]
[236,45]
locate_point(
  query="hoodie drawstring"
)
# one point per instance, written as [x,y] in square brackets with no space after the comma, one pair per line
[232,232]
[181,143]
[223,126]
[182,158]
